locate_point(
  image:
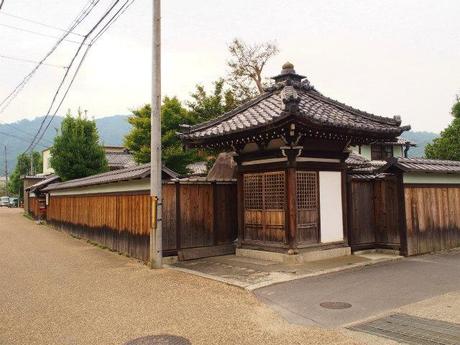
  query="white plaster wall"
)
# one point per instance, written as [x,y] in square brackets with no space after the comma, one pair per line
[46,155]
[431,178]
[125,186]
[330,191]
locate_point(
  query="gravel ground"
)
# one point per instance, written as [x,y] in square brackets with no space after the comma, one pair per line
[55,289]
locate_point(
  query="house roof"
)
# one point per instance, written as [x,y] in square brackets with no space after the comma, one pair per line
[423,165]
[120,159]
[292,99]
[358,164]
[127,174]
[198,168]
[42,184]
[402,142]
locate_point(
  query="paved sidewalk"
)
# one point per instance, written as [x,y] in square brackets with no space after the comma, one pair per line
[55,289]
[251,274]
[369,291]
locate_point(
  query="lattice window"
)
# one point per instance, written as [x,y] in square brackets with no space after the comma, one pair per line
[264,191]
[274,193]
[253,190]
[307,190]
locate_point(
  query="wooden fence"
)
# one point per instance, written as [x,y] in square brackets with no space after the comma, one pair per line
[198,219]
[34,207]
[432,217]
[374,213]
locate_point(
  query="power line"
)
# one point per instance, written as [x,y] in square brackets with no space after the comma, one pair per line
[40,23]
[89,6]
[35,32]
[116,15]
[17,137]
[30,61]
[22,131]
[96,37]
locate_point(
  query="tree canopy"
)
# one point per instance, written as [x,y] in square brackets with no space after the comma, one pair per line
[247,62]
[76,151]
[245,80]
[173,114]
[447,146]
[15,184]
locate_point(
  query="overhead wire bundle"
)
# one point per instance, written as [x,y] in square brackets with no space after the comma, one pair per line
[115,9]
[102,25]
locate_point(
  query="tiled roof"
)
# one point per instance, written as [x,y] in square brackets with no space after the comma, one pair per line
[355,159]
[198,168]
[289,97]
[359,164]
[424,165]
[42,184]
[120,159]
[127,174]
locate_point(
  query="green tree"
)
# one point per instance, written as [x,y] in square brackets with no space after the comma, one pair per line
[207,106]
[15,184]
[76,151]
[447,146]
[173,114]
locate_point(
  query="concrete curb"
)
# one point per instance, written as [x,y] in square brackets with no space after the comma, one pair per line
[283,277]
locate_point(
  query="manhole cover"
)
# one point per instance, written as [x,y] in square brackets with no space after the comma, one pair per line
[163,339]
[335,305]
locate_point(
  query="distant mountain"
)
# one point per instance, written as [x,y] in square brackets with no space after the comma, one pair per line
[18,135]
[421,139]
[112,130]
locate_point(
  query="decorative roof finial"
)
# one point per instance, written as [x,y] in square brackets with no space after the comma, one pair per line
[288,68]
[288,73]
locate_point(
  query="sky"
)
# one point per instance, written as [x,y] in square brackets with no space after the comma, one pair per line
[392,57]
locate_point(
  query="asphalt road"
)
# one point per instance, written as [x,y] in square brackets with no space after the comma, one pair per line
[370,290]
[55,289]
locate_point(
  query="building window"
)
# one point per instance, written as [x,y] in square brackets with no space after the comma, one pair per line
[381,152]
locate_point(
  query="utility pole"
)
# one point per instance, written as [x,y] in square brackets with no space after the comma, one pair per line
[6,173]
[32,163]
[155,143]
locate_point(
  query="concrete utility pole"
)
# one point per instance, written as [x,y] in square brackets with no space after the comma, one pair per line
[6,173]
[31,163]
[155,143]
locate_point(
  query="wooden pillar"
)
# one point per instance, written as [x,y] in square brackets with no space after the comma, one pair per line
[291,211]
[178,218]
[345,204]
[240,205]
[404,250]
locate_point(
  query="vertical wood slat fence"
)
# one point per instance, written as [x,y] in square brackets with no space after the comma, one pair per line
[194,216]
[34,207]
[432,218]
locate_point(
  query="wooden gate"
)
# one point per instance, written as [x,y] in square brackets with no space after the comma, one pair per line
[264,207]
[375,213]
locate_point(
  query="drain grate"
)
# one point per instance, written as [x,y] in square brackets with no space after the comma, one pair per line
[412,330]
[335,305]
[163,339]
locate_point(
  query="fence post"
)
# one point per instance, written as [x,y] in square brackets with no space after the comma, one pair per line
[178,217]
